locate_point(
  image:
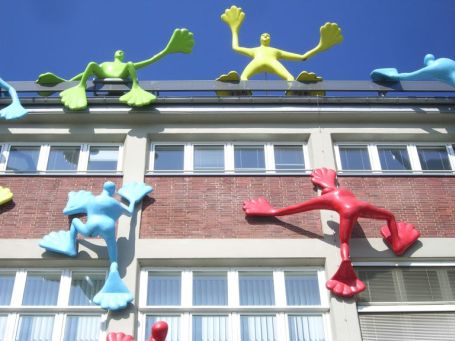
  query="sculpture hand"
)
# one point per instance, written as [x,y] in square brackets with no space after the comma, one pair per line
[181,41]
[234,17]
[5,195]
[258,207]
[330,36]
[134,191]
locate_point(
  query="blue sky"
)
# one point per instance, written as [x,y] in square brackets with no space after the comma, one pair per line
[62,36]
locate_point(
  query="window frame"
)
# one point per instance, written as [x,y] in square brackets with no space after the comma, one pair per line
[43,158]
[412,148]
[229,156]
[60,311]
[233,310]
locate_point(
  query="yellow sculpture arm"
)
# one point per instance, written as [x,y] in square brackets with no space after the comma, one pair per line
[290,56]
[234,18]
[330,36]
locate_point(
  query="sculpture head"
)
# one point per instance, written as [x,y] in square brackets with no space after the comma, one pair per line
[119,55]
[265,39]
[109,188]
[428,59]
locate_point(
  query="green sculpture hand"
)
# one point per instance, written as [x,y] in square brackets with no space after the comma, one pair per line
[182,41]
[234,17]
[330,36]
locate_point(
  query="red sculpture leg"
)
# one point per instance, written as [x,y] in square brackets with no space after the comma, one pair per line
[399,236]
[159,331]
[345,282]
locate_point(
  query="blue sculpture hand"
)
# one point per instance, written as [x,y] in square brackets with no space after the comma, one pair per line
[384,75]
[13,111]
[134,191]
[77,202]
[114,295]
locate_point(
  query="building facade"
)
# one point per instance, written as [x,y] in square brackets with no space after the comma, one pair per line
[190,256]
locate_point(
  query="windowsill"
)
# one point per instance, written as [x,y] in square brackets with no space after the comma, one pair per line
[227,173]
[61,173]
[394,173]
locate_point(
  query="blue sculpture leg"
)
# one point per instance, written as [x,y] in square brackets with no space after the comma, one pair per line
[15,109]
[114,295]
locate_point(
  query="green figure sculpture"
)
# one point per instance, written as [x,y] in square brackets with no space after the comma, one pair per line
[266,58]
[75,98]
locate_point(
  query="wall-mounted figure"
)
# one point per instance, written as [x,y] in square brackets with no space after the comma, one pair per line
[441,69]
[5,195]
[159,332]
[102,213]
[75,97]
[15,109]
[266,58]
[399,235]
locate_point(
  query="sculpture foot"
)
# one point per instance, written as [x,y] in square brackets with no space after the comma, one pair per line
[60,242]
[385,75]
[114,295]
[137,97]
[306,77]
[13,111]
[74,98]
[345,282]
[5,195]
[231,77]
[407,235]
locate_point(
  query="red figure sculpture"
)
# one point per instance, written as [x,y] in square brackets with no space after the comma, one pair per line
[399,235]
[159,332]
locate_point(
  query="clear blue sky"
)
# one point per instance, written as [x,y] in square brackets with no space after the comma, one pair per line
[63,35]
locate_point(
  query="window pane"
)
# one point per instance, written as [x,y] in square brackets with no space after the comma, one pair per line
[306,328]
[6,288]
[35,328]
[82,328]
[210,328]
[433,158]
[164,288]
[381,286]
[249,158]
[256,289]
[394,158]
[84,287]
[41,289]
[173,322]
[258,328]
[3,319]
[302,289]
[209,158]
[354,158]
[209,288]
[421,285]
[103,159]
[63,158]
[23,159]
[168,158]
[288,158]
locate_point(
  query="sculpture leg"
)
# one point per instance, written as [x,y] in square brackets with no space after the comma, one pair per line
[400,236]
[345,282]
[136,97]
[15,109]
[75,98]
[114,295]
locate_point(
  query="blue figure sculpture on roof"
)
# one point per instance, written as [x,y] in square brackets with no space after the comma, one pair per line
[15,109]
[102,213]
[441,69]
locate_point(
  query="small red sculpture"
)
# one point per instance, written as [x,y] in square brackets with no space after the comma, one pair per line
[159,332]
[399,235]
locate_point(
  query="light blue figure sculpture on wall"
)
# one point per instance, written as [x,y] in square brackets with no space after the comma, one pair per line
[102,213]
[15,109]
[442,69]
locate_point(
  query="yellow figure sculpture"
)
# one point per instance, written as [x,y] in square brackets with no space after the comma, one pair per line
[266,58]
[5,195]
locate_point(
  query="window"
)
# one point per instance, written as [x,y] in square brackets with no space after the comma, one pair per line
[395,158]
[407,303]
[220,304]
[228,158]
[50,305]
[60,158]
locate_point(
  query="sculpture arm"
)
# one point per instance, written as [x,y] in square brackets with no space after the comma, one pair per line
[261,207]
[290,56]
[242,50]
[12,92]
[149,61]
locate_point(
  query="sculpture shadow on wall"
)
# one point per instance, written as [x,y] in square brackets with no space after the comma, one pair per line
[254,220]
[7,207]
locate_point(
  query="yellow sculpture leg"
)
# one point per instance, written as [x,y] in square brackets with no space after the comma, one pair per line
[5,195]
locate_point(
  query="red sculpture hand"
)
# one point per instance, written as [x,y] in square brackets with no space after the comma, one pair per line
[159,331]
[407,235]
[258,207]
[119,337]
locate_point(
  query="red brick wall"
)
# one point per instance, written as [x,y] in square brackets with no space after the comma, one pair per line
[211,207]
[38,203]
[427,202]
